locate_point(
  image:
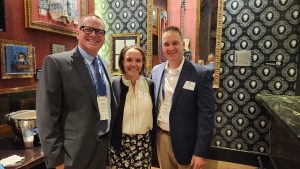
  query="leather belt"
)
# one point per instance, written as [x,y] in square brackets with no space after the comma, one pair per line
[163,131]
[103,136]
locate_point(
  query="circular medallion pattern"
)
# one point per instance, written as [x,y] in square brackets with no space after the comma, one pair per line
[253,84]
[293,15]
[243,43]
[230,83]
[261,124]
[233,32]
[281,29]
[261,147]
[229,108]
[242,72]
[269,16]
[258,5]
[256,30]
[283,4]
[220,119]
[218,141]
[235,6]
[239,144]
[289,72]
[245,17]
[278,85]
[241,96]
[117,5]
[291,44]
[221,95]
[250,135]
[229,132]
[252,110]
[266,73]
[267,44]
[226,19]
[240,122]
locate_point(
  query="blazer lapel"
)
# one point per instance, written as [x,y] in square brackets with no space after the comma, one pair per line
[80,66]
[185,73]
[158,78]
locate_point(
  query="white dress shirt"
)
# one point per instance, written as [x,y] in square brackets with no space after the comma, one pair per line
[170,79]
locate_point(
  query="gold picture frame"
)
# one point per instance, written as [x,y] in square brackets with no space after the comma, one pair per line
[57,48]
[17,59]
[218,43]
[118,41]
[36,19]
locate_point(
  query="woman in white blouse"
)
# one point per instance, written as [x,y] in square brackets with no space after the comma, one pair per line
[132,136]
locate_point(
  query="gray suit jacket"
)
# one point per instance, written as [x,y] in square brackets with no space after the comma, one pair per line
[192,111]
[67,111]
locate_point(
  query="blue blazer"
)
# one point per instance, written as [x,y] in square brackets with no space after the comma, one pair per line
[192,111]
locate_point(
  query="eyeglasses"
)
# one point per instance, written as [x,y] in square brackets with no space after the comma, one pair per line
[89,30]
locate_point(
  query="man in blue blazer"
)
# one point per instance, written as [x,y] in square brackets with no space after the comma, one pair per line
[75,103]
[184,101]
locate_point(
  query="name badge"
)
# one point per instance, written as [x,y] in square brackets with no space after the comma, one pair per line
[103,107]
[164,112]
[189,85]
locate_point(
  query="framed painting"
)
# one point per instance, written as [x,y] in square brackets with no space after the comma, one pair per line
[48,15]
[118,41]
[57,48]
[17,59]
[154,17]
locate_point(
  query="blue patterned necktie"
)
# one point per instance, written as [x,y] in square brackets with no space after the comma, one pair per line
[100,82]
[100,90]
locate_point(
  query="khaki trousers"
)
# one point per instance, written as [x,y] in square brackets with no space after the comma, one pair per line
[165,153]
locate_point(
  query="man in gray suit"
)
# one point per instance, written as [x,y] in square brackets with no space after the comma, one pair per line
[75,103]
[185,105]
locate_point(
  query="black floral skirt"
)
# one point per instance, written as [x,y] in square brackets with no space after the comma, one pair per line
[135,152]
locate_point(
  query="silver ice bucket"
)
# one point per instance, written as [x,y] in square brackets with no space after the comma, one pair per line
[24,124]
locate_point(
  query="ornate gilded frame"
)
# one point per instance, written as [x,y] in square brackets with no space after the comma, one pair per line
[149,36]
[10,66]
[46,23]
[118,41]
[216,82]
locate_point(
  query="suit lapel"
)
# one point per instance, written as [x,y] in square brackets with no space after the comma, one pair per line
[80,66]
[184,74]
[159,75]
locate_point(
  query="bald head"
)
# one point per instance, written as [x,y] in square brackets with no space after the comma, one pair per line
[210,58]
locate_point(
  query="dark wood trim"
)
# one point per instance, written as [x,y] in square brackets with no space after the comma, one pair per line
[5,131]
[240,157]
[17,89]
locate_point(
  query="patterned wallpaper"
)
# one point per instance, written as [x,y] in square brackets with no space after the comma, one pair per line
[270,29]
[122,16]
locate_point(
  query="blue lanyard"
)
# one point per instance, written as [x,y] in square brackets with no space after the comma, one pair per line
[163,88]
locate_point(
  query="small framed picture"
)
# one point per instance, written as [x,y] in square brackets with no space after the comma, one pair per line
[38,74]
[57,48]
[118,42]
[154,17]
[17,59]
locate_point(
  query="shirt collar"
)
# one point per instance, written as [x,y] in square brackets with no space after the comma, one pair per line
[177,70]
[128,82]
[87,57]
